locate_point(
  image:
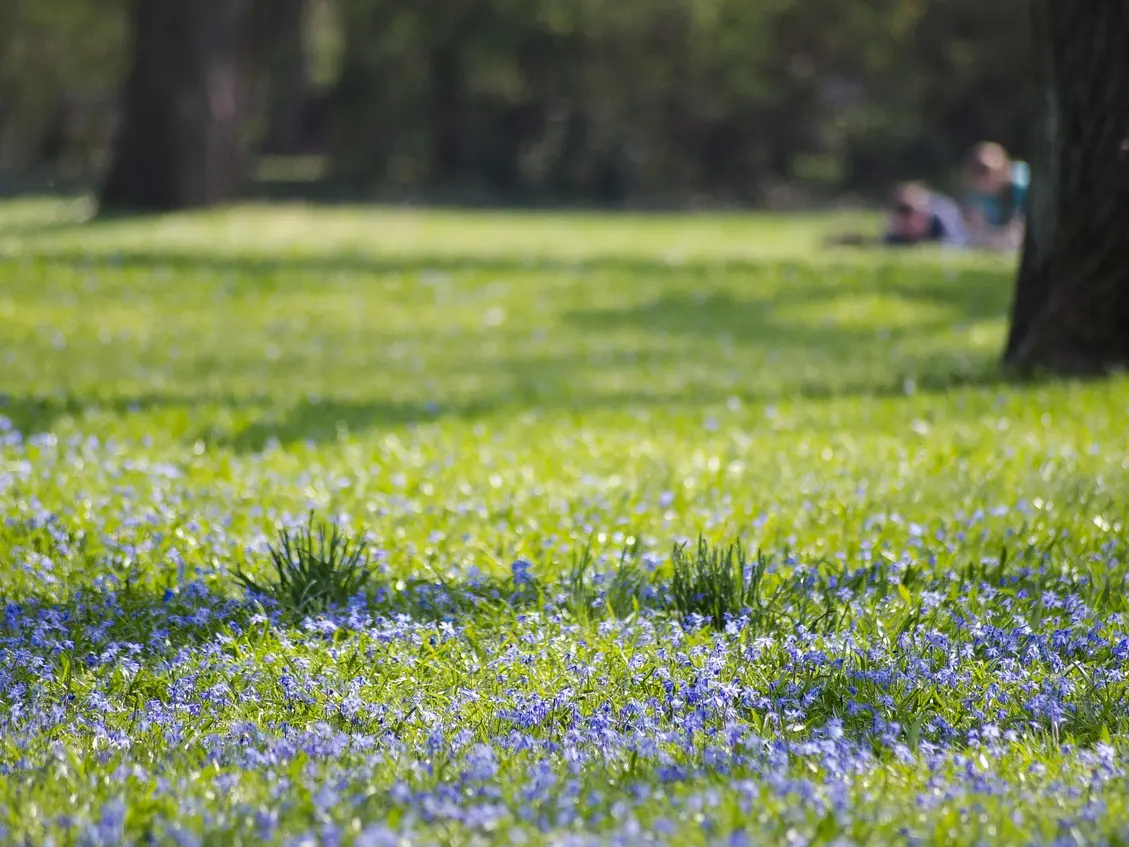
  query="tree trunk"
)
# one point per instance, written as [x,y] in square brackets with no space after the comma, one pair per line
[446,111]
[288,76]
[183,140]
[1071,306]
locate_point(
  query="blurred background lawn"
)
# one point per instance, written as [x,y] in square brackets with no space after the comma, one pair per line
[286,321]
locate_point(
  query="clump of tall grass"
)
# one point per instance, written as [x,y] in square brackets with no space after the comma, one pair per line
[718,583]
[314,569]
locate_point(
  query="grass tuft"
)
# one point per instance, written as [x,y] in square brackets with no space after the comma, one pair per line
[717,583]
[314,569]
[628,588]
[579,594]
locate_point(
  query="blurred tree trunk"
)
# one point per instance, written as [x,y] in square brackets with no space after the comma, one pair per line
[183,137]
[287,73]
[373,123]
[445,65]
[1071,307]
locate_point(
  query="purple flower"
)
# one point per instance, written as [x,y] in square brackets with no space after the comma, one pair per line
[519,572]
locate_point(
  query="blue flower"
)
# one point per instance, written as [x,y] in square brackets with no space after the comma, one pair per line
[519,572]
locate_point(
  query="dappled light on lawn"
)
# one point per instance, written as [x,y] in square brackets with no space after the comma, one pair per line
[376,527]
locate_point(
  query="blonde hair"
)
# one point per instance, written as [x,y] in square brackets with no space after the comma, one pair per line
[912,194]
[990,157]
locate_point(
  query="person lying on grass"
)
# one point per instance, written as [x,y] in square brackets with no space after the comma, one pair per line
[996,198]
[917,215]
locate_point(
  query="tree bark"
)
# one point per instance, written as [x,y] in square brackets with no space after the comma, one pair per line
[288,75]
[445,68]
[1071,307]
[182,142]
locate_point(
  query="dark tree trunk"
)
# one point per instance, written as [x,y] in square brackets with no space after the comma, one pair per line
[182,142]
[446,111]
[1071,307]
[288,77]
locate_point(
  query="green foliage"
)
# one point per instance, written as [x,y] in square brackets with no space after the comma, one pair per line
[660,101]
[718,583]
[476,390]
[313,571]
[580,595]
[629,587]
[616,594]
[640,100]
[77,49]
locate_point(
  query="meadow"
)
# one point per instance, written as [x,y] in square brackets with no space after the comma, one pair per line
[659,529]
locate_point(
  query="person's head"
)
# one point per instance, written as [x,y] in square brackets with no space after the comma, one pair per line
[988,169]
[909,210]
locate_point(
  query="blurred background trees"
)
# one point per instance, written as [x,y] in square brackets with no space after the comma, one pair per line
[671,102]
[183,136]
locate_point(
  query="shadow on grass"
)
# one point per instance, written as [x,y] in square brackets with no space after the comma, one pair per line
[88,620]
[960,295]
[978,296]
[988,296]
[326,421]
[774,327]
[165,621]
[20,228]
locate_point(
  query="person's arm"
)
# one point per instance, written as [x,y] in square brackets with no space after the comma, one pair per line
[949,223]
[983,235]
[1011,238]
[976,227]
[1021,185]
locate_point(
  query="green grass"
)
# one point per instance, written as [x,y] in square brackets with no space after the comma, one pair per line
[941,553]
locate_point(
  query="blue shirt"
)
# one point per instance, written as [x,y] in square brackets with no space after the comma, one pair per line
[1001,209]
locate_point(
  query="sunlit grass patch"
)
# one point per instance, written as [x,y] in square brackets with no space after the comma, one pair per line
[658,528]
[312,570]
